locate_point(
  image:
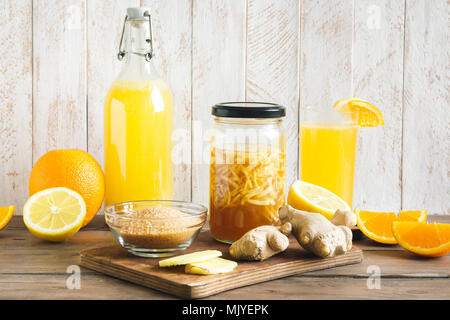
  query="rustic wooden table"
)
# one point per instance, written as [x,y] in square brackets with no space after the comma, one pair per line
[31,268]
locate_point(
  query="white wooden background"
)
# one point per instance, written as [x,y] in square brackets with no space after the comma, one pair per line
[58,58]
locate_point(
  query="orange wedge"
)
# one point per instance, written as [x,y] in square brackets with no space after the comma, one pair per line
[6,214]
[364,113]
[377,225]
[413,215]
[425,239]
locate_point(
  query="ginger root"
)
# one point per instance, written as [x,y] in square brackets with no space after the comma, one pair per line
[344,218]
[261,243]
[317,234]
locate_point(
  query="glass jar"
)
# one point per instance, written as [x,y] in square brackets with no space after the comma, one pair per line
[247,169]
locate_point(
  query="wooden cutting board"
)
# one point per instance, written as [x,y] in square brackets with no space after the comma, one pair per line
[117,262]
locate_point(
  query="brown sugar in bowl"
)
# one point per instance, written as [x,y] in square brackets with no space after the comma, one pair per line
[155,228]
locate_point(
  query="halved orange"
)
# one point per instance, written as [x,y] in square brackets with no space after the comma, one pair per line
[377,225]
[6,214]
[425,239]
[412,215]
[74,169]
[364,113]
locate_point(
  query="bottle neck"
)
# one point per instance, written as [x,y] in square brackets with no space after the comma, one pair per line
[137,65]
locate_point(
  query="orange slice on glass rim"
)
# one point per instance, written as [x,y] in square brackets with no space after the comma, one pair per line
[362,112]
[425,239]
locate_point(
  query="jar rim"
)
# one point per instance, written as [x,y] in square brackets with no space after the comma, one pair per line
[255,110]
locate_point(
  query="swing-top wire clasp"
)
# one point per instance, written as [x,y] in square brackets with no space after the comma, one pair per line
[148,55]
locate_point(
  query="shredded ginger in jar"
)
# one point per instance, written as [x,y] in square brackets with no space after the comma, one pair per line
[246,190]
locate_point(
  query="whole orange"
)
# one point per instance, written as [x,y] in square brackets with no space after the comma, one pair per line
[74,169]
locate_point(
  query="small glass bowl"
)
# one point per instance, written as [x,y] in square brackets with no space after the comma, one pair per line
[155,237]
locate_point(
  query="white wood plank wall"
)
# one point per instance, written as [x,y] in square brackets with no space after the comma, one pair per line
[58,58]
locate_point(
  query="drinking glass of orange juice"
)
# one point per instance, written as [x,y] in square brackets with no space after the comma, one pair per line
[328,141]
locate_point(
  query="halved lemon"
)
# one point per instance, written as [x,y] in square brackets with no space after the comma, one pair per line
[6,214]
[412,215]
[425,239]
[364,113]
[309,197]
[54,214]
[377,225]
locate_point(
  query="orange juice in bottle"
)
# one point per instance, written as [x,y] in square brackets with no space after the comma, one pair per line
[138,121]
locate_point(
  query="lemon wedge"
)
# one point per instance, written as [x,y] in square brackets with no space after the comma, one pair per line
[54,214]
[363,113]
[309,197]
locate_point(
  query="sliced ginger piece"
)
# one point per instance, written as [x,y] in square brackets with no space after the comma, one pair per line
[212,266]
[190,258]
